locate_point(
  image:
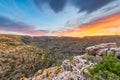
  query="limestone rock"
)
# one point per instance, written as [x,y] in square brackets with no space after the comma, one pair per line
[104,49]
[66,65]
[102,52]
[111,52]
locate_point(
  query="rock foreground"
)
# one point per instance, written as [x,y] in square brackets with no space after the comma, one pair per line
[76,68]
[104,49]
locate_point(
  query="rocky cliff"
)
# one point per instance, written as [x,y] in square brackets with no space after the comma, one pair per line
[77,68]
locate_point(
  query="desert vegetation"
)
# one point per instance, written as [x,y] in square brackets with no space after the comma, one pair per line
[18,59]
[107,69]
[25,55]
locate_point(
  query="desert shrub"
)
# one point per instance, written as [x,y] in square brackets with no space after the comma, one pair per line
[47,73]
[23,61]
[58,70]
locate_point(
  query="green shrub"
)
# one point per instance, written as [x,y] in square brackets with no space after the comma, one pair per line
[105,75]
[109,64]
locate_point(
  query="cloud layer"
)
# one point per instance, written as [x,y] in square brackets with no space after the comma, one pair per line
[55,5]
[107,26]
[82,5]
[90,5]
[7,24]
[58,17]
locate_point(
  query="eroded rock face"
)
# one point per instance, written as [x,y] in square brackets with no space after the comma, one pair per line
[67,65]
[74,70]
[111,52]
[92,50]
[67,75]
[102,52]
[104,49]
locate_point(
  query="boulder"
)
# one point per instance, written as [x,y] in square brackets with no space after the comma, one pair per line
[76,71]
[79,59]
[101,49]
[102,52]
[91,50]
[69,76]
[66,65]
[111,52]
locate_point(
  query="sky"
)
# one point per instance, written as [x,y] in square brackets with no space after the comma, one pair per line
[74,18]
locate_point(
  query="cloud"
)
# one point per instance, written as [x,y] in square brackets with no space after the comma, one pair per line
[55,5]
[82,5]
[90,5]
[10,25]
[38,32]
[104,12]
[7,24]
[105,26]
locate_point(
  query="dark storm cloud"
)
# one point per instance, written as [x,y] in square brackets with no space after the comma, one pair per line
[55,5]
[82,5]
[90,5]
[7,24]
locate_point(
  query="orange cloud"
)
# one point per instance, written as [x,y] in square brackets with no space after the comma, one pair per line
[106,26]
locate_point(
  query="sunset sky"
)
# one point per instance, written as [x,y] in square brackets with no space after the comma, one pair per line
[74,18]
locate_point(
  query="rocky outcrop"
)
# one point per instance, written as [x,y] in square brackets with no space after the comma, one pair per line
[47,74]
[69,70]
[104,49]
[76,68]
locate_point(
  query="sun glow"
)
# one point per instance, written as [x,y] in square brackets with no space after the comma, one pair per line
[106,26]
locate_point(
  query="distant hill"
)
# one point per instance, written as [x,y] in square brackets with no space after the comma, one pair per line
[67,46]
